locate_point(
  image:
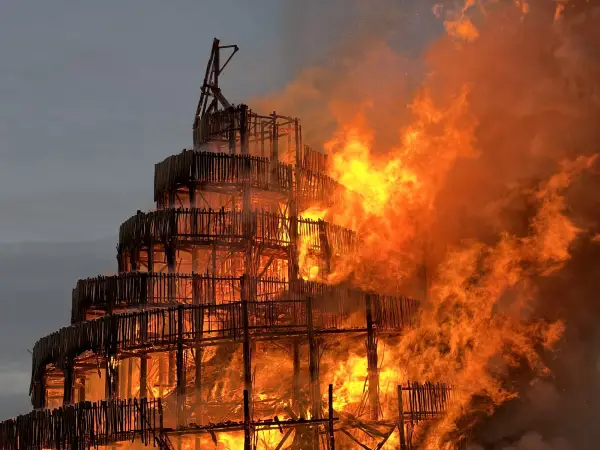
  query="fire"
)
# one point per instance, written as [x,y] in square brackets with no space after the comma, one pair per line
[349,377]
[309,264]
[458,23]
[478,320]
[355,168]
[397,185]
[349,381]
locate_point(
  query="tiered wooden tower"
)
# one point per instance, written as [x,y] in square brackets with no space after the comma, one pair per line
[211,332]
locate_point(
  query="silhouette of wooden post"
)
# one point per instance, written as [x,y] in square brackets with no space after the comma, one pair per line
[401,420]
[330,424]
[247,420]
[373,370]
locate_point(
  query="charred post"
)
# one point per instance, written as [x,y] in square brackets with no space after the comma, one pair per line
[180,388]
[372,364]
[313,363]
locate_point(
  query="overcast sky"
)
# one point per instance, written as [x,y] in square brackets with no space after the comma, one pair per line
[92,95]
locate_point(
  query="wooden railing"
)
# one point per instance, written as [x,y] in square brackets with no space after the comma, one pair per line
[188,324]
[313,160]
[426,401]
[84,425]
[192,167]
[197,168]
[131,290]
[221,226]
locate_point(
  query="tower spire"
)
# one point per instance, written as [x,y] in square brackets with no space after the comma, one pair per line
[210,95]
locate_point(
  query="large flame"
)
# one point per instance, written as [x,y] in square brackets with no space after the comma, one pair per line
[478,322]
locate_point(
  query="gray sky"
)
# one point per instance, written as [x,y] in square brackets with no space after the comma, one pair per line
[92,95]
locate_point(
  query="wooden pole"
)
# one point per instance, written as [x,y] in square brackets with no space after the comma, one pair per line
[68,382]
[81,390]
[143,376]
[246,343]
[129,377]
[161,374]
[373,370]
[171,255]
[112,377]
[331,431]
[243,125]
[401,420]
[180,389]
[313,363]
[247,420]
[296,378]
[274,139]
[297,142]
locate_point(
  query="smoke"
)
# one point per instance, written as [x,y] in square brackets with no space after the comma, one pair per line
[485,122]
[533,441]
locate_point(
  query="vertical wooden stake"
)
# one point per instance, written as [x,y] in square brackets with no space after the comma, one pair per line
[372,363]
[331,432]
[247,420]
[180,368]
[296,378]
[143,376]
[313,364]
[401,420]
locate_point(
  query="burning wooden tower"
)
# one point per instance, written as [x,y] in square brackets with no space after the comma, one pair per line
[216,332]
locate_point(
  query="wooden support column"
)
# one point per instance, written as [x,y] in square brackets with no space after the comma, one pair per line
[293,264]
[143,376]
[274,139]
[121,255]
[325,248]
[247,351]
[112,377]
[330,423]
[112,368]
[38,399]
[198,383]
[296,378]
[172,368]
[232,129]
[274,156]
[69,381]
[150,253]
[171,253]
[262,139]
[198,329]
[81,389]
[247,421]
[248,287]
[372,363]
[313,363]
[297,142]
[122,379]
[243,126]
[161,375]
[129,386]
[133,263]
[192,196]
[402,435]
[143,356]
[180,389]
